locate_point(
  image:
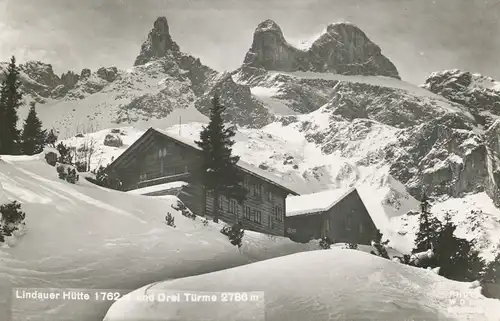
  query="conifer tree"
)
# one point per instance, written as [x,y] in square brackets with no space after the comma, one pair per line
[219,173]
[33,136]
[456,257]
[429,227]
[51,138]
[10,100]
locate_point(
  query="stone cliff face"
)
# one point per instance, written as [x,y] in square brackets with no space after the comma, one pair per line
[271,51]
[241,107]
[342,49]
[478,93]
[441,157]
[345,49]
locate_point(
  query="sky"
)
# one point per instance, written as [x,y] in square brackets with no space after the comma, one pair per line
[418,36]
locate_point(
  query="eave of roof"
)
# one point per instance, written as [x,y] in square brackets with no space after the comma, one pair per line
[316,210]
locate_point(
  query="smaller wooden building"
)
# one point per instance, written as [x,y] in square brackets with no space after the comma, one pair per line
[338,214]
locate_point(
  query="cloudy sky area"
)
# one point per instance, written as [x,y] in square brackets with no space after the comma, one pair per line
[419,36]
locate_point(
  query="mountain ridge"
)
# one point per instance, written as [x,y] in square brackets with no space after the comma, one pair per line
[167,86]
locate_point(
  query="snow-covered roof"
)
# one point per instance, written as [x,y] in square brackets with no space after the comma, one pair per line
[157,188]
[242,164]
[315,202]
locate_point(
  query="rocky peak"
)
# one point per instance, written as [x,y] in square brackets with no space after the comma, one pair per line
[109,74]
[271,51]
[40,72]
[449,82]
[85,74]
[342,49]
[480,94]
[269,26]
[158,43]
[69,79]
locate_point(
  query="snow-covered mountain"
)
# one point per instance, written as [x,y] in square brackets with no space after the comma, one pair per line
[164,79]
[330,114]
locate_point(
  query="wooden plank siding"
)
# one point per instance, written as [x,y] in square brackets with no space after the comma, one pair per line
[346,221]
[174,160]
[167,161]
[266,207]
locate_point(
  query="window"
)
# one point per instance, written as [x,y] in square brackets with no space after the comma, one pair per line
[361,227]
[210,193]
[163,152]
[270,196]
[246,182]
[257,216]
[248,212]
[143,177]
[257,190]
[278,213]
[221,202]
[233,206]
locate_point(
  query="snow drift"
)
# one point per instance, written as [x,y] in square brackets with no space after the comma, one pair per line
[86,237]
[336,284]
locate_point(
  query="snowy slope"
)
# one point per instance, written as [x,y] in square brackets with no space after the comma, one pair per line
[86,237]
[356,160]
[284,153]
[335,284]
[304,92]
[143,95]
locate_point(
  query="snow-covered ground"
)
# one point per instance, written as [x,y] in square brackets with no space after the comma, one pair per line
[336,284]
[275,106]
[283,151]
[86,237]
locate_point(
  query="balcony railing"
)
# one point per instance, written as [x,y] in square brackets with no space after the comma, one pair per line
[162,179]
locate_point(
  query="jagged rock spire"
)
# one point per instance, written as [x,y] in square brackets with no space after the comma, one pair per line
[158,43]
